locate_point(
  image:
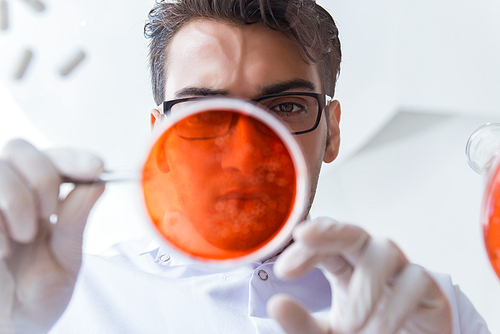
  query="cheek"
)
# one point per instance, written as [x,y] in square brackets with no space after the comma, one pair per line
[313,146]
[192,167]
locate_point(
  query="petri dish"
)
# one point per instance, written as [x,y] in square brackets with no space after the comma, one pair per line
[224,182]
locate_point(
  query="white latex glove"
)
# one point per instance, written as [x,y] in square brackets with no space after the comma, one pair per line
[375,289]
[39,261]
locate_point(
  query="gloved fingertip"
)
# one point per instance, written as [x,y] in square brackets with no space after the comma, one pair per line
[295,262]
[88,165]
[289,262]
[77,164]
[309,231]
[4,248]
[275,303]
[91,162]
[280,270]
[282,308]
[293,317]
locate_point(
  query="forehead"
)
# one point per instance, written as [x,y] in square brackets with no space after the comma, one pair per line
[239,59]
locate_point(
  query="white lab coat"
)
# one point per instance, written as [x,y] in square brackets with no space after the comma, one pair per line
[139,288]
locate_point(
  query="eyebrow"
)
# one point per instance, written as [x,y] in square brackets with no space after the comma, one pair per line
[288,85]
[266,90]
[195,91]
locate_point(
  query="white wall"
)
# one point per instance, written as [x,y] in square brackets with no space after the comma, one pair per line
[429,55]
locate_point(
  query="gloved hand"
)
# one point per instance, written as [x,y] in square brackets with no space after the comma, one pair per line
[375,289]
[39,261]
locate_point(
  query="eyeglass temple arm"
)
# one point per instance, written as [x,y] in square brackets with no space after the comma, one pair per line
[328,99]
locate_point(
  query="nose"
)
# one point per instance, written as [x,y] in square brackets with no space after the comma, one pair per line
[244,147]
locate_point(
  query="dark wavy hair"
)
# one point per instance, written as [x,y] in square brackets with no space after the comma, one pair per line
[303,20]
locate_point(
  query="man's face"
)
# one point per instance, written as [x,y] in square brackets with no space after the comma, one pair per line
[207,57]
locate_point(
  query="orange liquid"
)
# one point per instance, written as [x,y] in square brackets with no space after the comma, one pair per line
[222,197]
[491,225]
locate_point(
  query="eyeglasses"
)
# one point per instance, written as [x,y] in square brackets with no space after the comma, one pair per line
[300,111]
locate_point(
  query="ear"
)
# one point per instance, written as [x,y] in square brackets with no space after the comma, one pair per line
[333,142]
[155,117]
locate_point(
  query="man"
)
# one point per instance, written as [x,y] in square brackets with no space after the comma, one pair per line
[245,50]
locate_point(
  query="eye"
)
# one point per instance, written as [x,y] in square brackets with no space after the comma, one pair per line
[288,107]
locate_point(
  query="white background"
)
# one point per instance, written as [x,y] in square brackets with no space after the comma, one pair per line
[416,80]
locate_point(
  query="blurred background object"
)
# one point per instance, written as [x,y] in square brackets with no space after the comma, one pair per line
[417,79]
[78,69]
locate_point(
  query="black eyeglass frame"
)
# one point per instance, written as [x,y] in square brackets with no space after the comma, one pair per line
[323,101]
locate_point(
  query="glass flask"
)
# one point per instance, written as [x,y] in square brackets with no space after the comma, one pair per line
[483,154]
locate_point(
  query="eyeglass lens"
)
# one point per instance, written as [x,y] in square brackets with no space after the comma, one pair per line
[213,124]
[298,112]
